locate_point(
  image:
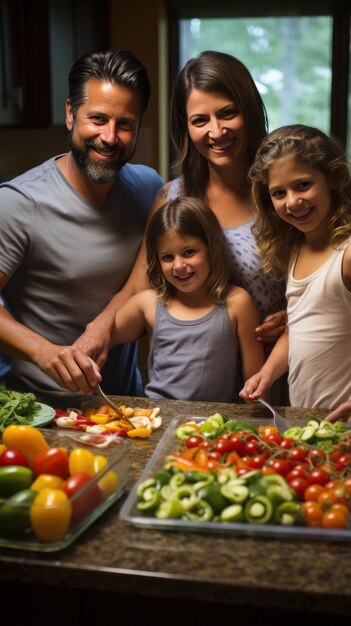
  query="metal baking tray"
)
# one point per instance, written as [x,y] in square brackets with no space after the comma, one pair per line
[129,512]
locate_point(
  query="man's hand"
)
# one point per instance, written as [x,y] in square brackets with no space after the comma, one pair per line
[69,367]
[272,327]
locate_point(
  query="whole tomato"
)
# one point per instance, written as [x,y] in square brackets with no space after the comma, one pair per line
[13,457]
[237,443]
[252,447]
[193,441]
[223,446]
[83,501]
[273,439]
[287,443]
[51,514]
[343,462]
[298,471]
[299,485]
[298,454]
[280,466]
[318,476]
[52,461]
[317,456]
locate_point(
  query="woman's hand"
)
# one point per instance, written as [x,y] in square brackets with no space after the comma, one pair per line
[272,328]
[343,412]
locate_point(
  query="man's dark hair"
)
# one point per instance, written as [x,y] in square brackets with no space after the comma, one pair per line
[119,67]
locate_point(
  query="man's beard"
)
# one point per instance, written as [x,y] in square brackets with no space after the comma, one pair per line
[96,171]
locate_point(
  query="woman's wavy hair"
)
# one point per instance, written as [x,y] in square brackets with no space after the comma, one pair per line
[212,72]
[189,217]
[275,237]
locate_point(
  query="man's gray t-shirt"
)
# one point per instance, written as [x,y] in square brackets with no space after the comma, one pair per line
[66,259]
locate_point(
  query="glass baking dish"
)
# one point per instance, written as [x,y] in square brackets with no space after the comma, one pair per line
[86,502]
[166,446]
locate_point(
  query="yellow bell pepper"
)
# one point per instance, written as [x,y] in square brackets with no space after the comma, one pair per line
[100,418]
[139,432]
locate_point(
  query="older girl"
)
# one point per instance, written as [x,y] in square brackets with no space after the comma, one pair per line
[302,188]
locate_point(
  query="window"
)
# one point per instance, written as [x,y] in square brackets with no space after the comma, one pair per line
[299,57]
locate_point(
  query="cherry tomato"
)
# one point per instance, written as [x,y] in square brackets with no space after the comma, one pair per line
[317,456]
[247,435]
[338,506]
[343,462]
[237,443]
[287,443]
[298,454]
[206,444]
[222,446]
[326,498]
[13,457]
[82,503]
[252,447]
[52,461]
[280,466]
[313,491]
[214,454]
[257,461]
[297,472]
[312,514]
[266,430]
[273,439]
[318,476]
[334,519]
[299,486]
[193,441]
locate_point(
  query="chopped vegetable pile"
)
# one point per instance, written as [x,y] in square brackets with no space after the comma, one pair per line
[224,470]
[16,407]
[105,421]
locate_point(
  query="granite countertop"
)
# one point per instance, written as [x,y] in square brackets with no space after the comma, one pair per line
[268,572]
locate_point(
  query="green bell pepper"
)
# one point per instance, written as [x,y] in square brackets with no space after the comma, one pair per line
[258,510]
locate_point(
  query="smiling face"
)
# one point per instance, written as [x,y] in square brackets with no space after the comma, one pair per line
[300,195]
[216,127]
[184,261]
[104,131]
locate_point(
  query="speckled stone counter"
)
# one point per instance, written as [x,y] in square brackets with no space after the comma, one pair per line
[113,557]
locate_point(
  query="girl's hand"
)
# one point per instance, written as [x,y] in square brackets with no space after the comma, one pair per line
[343,412]
[272,327]
[256,386]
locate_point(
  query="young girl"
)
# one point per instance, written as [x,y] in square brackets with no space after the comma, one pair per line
[302,189]
[198,323]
